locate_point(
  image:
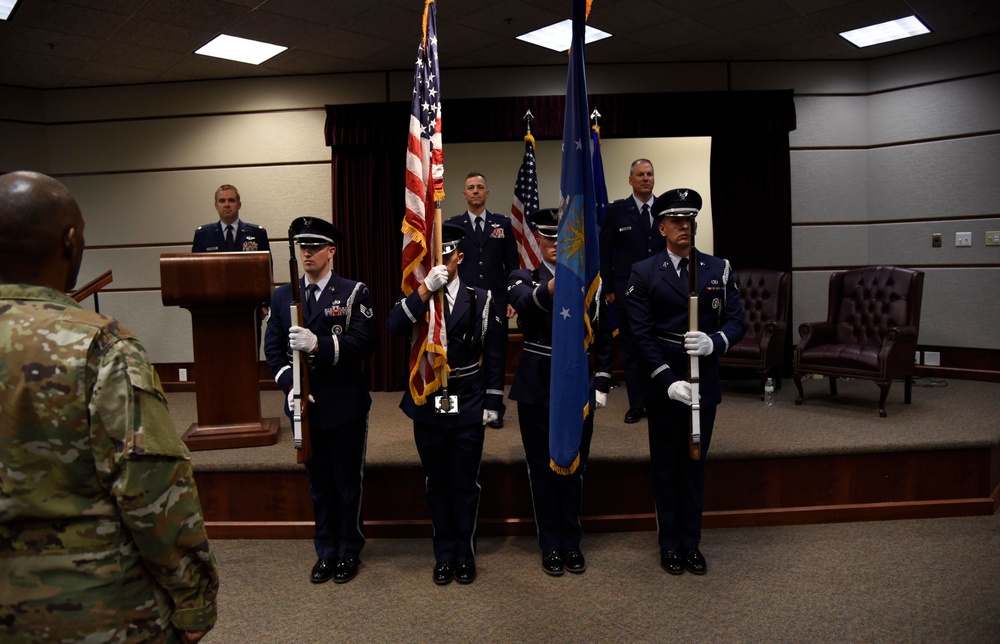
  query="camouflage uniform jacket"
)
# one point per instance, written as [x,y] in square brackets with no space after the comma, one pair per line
[101,531]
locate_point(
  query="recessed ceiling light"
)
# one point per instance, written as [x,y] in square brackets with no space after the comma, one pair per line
[240,49]
[558,36]
[6,8]
[886,32]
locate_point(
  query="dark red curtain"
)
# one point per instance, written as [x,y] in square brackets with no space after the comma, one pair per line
[750,176]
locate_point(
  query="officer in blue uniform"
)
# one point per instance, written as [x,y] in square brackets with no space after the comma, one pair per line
[337,337]
[490,251]
[231,234]
[450,444]
[556,498]
[657,296]
[628,235]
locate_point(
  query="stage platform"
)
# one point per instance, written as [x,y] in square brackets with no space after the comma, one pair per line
[830,459]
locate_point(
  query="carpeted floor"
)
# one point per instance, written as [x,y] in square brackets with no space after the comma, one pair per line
[956,413]
[933,580]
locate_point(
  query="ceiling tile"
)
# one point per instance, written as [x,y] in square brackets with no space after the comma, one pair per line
[161,35]
[49,15]
[135,56]
[209,15]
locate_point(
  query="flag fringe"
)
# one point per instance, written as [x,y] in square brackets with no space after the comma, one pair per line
[565,471]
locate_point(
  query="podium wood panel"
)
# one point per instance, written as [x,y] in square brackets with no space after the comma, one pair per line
[222,291]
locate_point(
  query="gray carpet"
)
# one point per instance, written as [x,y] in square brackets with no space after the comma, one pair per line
[959,414]
[934,580]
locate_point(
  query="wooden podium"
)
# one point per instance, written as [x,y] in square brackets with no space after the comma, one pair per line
[222,291]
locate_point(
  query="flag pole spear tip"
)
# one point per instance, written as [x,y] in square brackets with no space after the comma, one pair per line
[528,118]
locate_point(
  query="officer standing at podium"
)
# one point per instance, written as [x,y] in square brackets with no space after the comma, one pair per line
[557,498]
[451,444]
[338,336]
[231,234]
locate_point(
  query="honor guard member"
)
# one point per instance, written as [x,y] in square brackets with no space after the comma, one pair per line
[657,296]
[490,251]
[557,498]
[338,336]
[232,234]
[628,235]
[449,437]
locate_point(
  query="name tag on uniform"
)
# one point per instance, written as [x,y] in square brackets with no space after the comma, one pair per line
[624,229]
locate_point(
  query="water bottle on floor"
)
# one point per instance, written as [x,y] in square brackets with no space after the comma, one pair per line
[769,392]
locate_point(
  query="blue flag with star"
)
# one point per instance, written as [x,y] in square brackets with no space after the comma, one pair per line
[577,274]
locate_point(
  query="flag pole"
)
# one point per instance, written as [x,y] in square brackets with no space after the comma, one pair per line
[439,259]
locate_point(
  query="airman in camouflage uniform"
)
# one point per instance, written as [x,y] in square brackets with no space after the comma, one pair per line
[101,530]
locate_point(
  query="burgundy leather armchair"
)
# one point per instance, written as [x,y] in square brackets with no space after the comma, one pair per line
[765,295]
[870,331]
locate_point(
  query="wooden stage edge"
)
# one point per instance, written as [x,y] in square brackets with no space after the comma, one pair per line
[618,497]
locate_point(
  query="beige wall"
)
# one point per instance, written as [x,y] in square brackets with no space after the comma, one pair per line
[886,152]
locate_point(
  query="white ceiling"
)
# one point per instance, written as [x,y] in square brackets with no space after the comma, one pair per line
[81,43]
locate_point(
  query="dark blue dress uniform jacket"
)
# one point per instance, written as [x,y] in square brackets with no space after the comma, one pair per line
[529,295]
[343,320]
[658,314]
[626,238]
[248,237]
[488,265]
[476,341]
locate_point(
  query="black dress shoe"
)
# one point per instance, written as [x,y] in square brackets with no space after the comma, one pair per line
[496,424]
[465,572]
[672,562]
[443,573]
[346,570]
[552,563]
[322,571]
[695,562]
[635,414]
[574,561]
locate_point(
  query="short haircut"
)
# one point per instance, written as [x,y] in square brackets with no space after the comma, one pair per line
[631,168]
[477,174]
[227,186]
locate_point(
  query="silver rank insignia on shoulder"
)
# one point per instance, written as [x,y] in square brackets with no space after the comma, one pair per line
[365,311]
[630,289]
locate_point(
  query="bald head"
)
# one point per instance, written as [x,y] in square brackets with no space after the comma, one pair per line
[41,231]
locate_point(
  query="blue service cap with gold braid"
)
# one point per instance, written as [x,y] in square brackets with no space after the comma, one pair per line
[679,202]
[313,231]
[546,222]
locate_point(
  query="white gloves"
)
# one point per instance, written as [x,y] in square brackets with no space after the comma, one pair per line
[290,399]
[601,398]
[680,390]
[436,278]
[698,344]
[300,339]
[489,416]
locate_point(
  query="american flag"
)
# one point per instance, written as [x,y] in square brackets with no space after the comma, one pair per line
[526,202]
[424,187]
